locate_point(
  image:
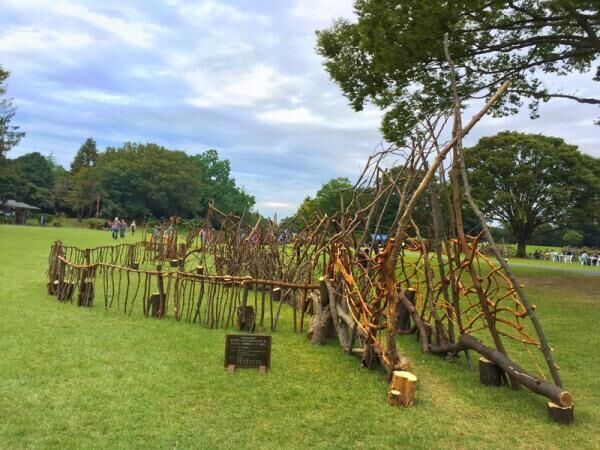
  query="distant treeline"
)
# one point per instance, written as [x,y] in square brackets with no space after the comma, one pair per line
[132,181]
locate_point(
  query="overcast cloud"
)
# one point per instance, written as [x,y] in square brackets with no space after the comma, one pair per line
[241,77]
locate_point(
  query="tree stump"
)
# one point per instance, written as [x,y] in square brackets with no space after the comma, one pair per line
[321,327]
[394,398]
[86,293]
[276,294]
[200,270]
[52,287]
[245,320]
[156,307]
[135,265]
[174,262]
[406,384]
[560,414]
[490,374]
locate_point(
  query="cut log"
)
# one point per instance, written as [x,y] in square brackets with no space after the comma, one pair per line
[320,327]
[174,262]
[323,292]
[156,307]
[555,393]
[245,319]
[276,294]
[200,270]
[86,293]
[394,398]
[490,373]
[405,383]
[53,287]
[561,414]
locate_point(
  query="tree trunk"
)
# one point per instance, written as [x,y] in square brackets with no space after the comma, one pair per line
[521,249]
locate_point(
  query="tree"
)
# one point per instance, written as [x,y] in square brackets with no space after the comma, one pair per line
[10,187]
[9,134]
[86,156]
[572,238]
[84,191]
[218,185]
[36,179]
[393,55]
[328,199]
[525,181]
[138,179]
[9,137]
[84,183]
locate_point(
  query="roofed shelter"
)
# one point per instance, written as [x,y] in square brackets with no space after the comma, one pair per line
[20,210]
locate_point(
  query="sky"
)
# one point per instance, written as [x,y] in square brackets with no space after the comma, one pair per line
[241,77]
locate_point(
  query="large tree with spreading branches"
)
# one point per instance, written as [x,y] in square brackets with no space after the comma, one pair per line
[526,181]
[393,54]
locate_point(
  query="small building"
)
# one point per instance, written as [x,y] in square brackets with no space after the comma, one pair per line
[18,210]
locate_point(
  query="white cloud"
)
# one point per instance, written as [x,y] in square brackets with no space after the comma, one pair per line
[321,13]
[35,39]
[260,83]
[94,96]
[276,205]
[296,116]
[131,31]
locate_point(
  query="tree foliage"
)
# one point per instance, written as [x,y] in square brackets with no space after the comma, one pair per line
[393,54]
[36,180]
[526,181]
[138,179]
[9,134]
[328,199]
[218,186]
[86,156]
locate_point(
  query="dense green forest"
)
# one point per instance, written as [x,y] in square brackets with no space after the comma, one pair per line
[130,181]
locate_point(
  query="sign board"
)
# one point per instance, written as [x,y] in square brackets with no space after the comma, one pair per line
[244,350]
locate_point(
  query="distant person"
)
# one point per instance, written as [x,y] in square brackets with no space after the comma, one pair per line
[122,229]
[115,228]
[132,227]
[42,220]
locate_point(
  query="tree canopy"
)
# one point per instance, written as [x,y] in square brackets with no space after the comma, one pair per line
[393,54]
[525,181]
[86,156]
[327,200]
[9,137]
[9,134]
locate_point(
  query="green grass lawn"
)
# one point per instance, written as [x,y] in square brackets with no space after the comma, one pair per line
[90,378]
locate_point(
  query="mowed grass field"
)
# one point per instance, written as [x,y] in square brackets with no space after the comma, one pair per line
[89,378]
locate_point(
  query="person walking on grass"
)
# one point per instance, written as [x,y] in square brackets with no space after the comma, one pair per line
[122,228]
[132,227]
[115,228]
